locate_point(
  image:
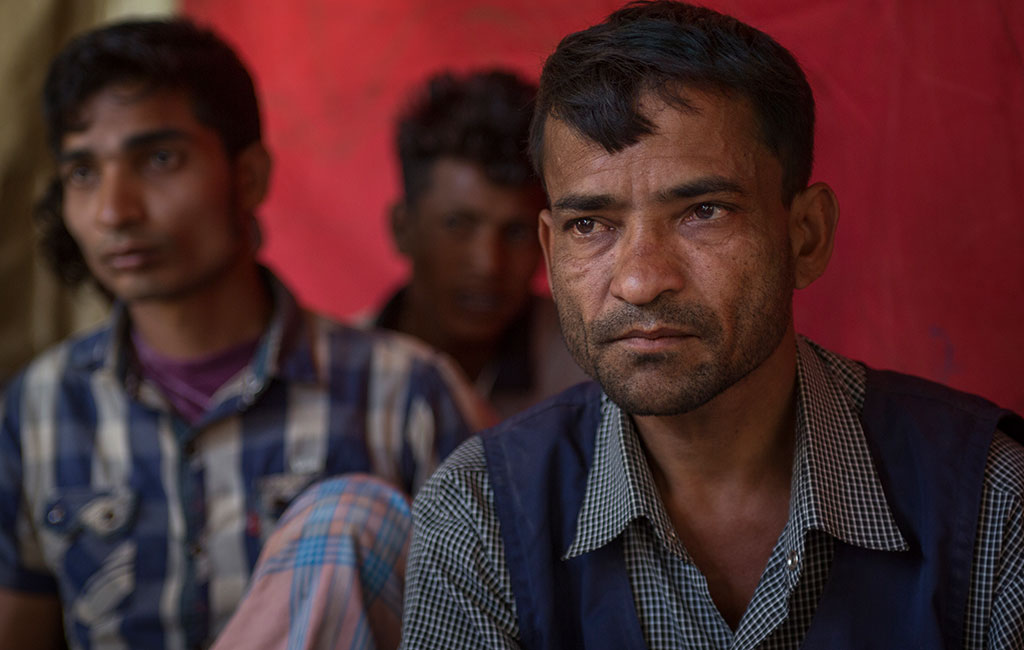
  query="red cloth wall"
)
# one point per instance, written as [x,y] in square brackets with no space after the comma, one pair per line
[921,134]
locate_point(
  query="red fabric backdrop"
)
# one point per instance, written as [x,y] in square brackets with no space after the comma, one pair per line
[921,133]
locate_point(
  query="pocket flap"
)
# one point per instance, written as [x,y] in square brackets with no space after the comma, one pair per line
[103,513]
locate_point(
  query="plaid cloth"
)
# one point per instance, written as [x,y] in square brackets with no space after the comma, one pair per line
[331,576]
[151,526]
[459,594]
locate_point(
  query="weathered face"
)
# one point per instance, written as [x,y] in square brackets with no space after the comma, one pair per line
[150,196]
[473,248]
[670,261]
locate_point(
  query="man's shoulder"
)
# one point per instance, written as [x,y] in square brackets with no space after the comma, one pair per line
[544,422]
[559,414]
[83,352]
[1004,473]
[925,390]
[362,336]
[395,364]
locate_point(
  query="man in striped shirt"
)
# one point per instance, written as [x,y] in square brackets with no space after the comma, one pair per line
[142,465]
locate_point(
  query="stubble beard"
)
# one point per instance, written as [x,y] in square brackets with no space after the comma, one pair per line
[666,384]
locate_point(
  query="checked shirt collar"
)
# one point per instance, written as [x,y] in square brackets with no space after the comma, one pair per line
[835,485]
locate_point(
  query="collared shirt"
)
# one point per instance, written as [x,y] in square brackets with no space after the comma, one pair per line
[531,363]
[150,526]
[459,592]
[331,575]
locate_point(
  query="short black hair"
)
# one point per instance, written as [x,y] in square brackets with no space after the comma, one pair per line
[482,118]
[595,79]
[171,54]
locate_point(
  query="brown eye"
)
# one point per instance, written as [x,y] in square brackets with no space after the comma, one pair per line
[582,226]
[705,211]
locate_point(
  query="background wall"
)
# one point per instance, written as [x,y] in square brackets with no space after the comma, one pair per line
[921,133]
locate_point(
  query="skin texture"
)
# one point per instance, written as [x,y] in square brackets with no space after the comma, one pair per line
[681,283]
[163,216]
[673,263]
[473,251]
[30,621]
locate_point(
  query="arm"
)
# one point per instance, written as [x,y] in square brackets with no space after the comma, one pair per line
[1006,627]
[30,610]
[30,621]
[458,593]
[998,575]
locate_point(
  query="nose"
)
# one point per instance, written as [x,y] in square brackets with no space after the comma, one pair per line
[487,253]
[119,198]
[647,264]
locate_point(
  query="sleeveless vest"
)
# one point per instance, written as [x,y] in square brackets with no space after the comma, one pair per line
[929,444]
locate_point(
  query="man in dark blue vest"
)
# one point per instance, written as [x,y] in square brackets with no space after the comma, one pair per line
[725,483]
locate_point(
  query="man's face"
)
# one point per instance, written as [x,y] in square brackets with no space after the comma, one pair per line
[149,195]
[473,247]
[669,261]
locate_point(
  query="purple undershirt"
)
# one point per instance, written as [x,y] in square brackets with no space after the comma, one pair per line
[189,385]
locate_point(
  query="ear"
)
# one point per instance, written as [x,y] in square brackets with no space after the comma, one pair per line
[545,233]
[402,228]
[812,228]
[252,176]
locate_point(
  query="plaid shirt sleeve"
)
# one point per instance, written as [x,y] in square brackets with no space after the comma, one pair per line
[996,603]
[21,562]
[331,574]
[458,593]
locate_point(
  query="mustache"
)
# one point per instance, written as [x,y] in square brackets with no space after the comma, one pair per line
[690,317]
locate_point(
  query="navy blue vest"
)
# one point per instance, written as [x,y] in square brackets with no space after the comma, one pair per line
[929,444]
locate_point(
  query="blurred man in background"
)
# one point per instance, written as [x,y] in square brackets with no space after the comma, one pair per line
[467,222]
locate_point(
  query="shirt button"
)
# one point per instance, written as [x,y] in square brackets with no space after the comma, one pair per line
[56,515]
[792,561]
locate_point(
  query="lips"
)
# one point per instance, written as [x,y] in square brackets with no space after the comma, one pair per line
[652,339]
[485,302]
[130,257]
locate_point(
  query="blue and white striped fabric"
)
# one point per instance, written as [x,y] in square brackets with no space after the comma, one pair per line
[150,527]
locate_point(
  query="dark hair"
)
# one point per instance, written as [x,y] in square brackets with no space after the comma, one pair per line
[595,78]
[174,54]
[482,118]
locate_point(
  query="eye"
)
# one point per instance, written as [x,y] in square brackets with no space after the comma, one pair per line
[705,211]
[455,222]
[165,159]
[79,175]
[518,232]
[581,226]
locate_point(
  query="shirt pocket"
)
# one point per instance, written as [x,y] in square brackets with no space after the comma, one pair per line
[91,543]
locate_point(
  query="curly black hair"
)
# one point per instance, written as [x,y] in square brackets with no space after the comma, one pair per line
[482,118]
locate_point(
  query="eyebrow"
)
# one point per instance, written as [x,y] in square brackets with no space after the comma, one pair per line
[133,142]
[585,202]
[700,187]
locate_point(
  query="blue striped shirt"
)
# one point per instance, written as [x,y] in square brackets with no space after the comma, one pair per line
[149,527]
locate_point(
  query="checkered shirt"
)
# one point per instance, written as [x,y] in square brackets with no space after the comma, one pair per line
[459,594]
[331,575]
[149,527]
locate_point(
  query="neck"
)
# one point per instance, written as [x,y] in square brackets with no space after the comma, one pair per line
[471,355]
[740,441]
[225,313]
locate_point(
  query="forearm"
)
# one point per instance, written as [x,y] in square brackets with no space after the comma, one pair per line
[30,621]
